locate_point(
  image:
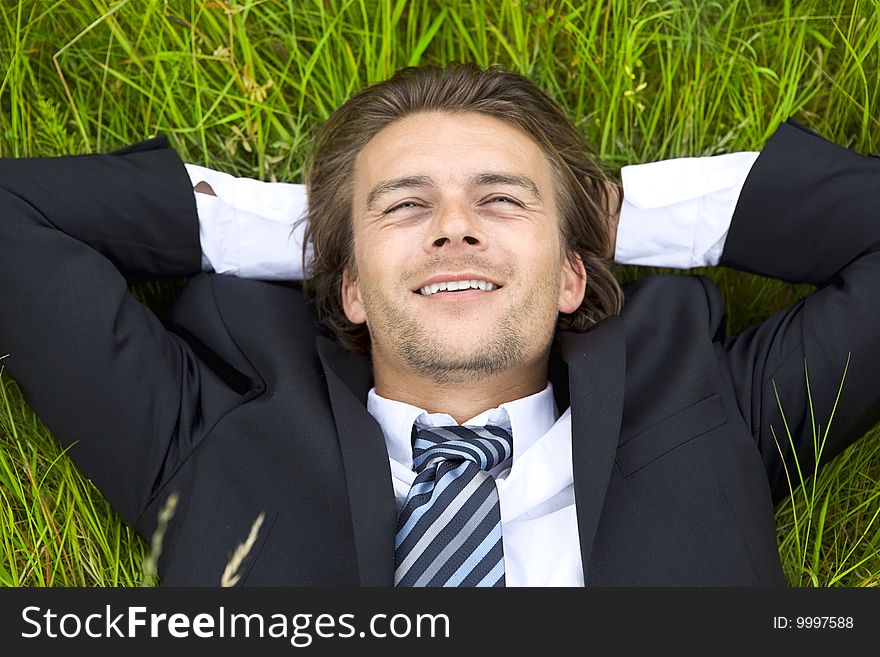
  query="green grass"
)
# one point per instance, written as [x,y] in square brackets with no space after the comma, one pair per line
[240,86]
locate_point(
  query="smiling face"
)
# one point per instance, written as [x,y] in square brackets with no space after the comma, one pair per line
[460,273]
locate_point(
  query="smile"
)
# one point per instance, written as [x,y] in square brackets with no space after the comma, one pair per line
[455,286]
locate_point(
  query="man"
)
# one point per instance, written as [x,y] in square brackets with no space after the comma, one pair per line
[613,437]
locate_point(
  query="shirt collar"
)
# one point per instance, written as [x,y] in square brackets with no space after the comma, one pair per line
[527,418]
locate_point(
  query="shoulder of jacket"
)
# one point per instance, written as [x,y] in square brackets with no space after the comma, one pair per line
[684,299]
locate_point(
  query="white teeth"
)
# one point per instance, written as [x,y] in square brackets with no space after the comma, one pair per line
[453,286]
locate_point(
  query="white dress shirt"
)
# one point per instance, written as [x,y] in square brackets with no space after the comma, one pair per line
[675,213]
[535,489]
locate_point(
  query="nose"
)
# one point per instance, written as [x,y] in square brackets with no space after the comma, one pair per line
[455,226]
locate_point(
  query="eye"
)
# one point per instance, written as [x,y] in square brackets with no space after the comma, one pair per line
[403,205]
[501,198]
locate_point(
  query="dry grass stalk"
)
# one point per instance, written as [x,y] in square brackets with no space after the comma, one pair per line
[230,574]
[150,569]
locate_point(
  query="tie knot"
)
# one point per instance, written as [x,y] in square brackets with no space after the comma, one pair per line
[486,446]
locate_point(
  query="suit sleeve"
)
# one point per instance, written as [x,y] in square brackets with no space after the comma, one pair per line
[97,366]
[808,213]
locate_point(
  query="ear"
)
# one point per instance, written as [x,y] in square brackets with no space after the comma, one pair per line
[351,299]
[572,284]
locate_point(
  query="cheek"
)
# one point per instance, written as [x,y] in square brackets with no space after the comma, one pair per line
[545,266]
[394,254]
[548,287]
[379,272]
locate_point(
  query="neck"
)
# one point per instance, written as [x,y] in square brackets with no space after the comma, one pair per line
[461,397]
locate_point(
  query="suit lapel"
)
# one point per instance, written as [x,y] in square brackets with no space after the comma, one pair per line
[596,373]
[365,461]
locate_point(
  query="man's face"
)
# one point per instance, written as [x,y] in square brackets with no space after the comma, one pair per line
[442,201]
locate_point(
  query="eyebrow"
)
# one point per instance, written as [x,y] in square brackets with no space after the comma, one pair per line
[477,180]
[394,184]
[510,179]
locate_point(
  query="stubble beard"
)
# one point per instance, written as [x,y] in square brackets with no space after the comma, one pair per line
[427,355]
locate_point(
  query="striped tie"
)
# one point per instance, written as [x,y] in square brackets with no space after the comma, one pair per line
[449,530]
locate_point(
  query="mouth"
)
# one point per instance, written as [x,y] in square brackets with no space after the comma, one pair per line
[449,285]
[457,286]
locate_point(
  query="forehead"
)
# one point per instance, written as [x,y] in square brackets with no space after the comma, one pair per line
[449,148]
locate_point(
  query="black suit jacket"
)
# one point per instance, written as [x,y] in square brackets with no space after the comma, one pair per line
[238,401]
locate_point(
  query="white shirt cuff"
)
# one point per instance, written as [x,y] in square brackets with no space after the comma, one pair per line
[247,229]
[676,213]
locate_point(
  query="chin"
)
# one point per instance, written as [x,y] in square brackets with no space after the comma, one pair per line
[449,362]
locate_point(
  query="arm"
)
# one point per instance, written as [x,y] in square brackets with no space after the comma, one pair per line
[95,364]
[808,214]
[802,211]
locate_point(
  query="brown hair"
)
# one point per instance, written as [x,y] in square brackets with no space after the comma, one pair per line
[581,185]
